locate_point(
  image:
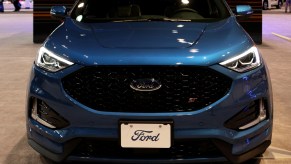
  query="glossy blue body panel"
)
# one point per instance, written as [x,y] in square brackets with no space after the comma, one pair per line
[144,43]
[58,11]
[244,10]
[151,43]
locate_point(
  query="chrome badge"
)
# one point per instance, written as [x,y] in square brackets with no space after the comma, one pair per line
[145,85]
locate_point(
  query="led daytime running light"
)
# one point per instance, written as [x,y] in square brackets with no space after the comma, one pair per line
[245,66]
[51,62]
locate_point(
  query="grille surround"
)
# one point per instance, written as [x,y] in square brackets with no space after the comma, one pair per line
[184,89]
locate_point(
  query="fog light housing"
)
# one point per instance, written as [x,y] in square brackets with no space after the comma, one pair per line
[261,116]
[250,116]
[46,116]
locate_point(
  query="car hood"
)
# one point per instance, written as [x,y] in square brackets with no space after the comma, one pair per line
[147,34]
[148,43]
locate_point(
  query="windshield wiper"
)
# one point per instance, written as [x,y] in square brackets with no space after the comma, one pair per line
[130,20]
[168,19]
[145,19]
[153,19]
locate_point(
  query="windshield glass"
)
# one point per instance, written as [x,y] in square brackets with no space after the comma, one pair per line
[149,10]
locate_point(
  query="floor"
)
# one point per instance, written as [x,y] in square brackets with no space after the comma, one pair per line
[17,53]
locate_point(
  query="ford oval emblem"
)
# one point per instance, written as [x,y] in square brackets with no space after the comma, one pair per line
[145,85]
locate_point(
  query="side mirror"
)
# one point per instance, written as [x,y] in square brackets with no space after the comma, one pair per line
[243,11]
[58,12]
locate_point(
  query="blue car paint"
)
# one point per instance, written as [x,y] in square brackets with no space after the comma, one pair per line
[68,39]
[187,43]
[187,125]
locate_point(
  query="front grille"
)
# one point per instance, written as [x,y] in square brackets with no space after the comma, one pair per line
[183,149]
[183,89]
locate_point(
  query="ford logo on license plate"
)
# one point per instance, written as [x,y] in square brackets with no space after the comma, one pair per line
[145,135]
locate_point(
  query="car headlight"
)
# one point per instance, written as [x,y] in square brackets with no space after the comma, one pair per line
[51,62]
[244,62]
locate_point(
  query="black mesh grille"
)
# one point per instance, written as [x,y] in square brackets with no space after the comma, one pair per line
[180,150]
[183,89]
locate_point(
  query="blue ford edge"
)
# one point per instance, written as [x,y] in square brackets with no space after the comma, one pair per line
[149,81]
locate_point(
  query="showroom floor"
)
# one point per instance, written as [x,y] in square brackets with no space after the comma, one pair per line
[17,53]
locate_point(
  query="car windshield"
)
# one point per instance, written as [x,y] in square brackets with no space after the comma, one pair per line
[149,10]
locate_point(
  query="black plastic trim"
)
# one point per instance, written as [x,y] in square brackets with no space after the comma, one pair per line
[68,148]
[226,149]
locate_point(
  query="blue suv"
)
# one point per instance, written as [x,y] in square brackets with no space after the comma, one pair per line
[149,81]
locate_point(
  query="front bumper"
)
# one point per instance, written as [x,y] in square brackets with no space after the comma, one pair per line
[206,124]
[224,147]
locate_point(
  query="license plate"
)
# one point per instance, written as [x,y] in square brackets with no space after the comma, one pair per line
[139,135]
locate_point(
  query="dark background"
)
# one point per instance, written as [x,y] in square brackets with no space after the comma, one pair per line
[43,24]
